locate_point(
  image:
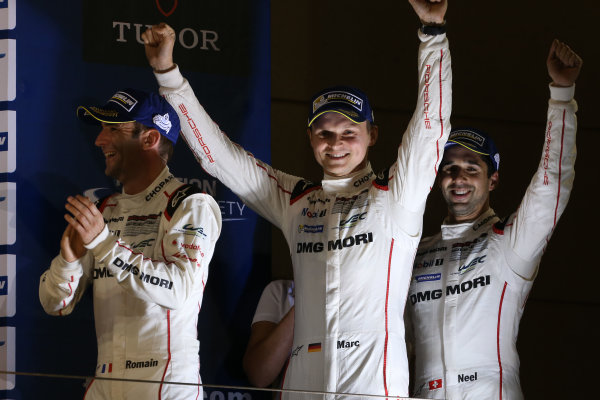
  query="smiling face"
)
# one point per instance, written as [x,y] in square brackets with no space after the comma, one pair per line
[465,185]
[340,146]
[122,150]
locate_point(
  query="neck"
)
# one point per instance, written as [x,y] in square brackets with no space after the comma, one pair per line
[143,177]
[461,219]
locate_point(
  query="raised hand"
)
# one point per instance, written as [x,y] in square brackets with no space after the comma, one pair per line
[71,245]
[84,217]
[159,41]
[563,64]
[430,12]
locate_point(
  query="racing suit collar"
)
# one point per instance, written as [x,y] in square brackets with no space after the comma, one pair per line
[154,189]
[451,231]
[358,180]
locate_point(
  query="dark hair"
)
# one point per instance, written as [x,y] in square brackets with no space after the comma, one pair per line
[490,166]
[165,149]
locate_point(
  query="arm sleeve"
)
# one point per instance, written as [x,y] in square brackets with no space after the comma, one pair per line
[184,252]
[412,176]
[63,284]
[531,227]
[266,190]
[275,301]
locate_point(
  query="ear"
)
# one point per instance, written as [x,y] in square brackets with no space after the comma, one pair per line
[493,181]
[374,135]
[309,132]
[150,139]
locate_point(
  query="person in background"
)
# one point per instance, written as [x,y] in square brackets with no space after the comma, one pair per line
[272,334]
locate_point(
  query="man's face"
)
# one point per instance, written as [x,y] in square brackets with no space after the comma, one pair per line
[121,150]
[464,183]
[340,145]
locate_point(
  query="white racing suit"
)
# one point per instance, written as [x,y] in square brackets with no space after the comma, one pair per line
[352,240]
[148,269]
[471,281]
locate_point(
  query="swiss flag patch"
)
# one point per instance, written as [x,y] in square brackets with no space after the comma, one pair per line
[436,384]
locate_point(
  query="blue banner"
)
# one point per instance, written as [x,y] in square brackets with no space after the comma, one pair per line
[55,56]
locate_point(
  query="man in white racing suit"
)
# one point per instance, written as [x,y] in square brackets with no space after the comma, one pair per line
[353,236]
[145,252]
[471,281]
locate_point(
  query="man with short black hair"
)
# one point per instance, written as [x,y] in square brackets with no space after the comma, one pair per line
[471,281]
[145,251]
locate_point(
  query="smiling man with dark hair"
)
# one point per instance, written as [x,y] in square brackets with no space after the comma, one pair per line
[145,252]
[471,281]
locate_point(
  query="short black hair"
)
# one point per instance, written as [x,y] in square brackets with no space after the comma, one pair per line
[165,149]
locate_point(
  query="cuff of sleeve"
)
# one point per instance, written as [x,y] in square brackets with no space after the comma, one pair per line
[64,269]
[434,30]
[98,239]
[562,93]
[423,37]
[170,79]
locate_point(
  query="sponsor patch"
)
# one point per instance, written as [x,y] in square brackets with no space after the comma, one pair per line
[338,97]
[162,121]
[310,228]
[343,205]
[428,277]
[125,100]
[296,351]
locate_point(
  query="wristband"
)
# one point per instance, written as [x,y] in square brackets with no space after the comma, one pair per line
[433,30]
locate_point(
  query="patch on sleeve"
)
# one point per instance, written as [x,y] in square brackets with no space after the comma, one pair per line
[102,202]
[302,188]
[177,198]
[382,179]
[498,227]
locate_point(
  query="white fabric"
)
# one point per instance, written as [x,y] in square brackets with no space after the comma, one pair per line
[352,240]
[471,281]
[276,300]
[148,270]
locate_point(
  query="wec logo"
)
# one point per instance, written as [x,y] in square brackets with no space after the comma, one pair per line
[468,267]
[197,230]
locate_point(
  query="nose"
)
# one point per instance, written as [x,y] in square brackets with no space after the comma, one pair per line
[457,173]
[102,137]
[334,140]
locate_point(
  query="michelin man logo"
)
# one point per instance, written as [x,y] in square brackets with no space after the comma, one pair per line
[162,121]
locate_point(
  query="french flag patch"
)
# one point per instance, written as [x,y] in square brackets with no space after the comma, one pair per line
[106,368]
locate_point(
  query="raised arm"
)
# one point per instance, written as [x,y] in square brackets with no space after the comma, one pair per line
[430,12]
[412,176]
[264,189]
[549,190]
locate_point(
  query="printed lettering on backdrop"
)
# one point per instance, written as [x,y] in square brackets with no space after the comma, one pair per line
[56,56]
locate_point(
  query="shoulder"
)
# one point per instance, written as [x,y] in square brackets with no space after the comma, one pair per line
[187,196]
[302,188]
[106,201]
[430,241]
